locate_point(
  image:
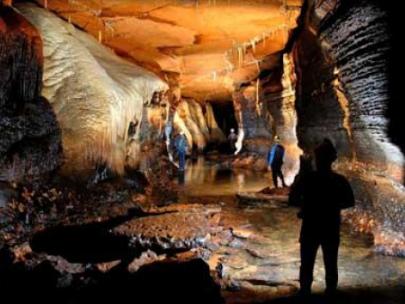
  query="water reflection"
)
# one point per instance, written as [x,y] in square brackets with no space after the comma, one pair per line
[204,178]
[271,252]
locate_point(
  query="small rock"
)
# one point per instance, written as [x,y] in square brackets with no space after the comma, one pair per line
[106,267]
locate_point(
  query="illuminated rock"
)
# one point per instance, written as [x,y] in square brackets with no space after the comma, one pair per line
[95,94]
[216,134]
[177,231]
[198,41]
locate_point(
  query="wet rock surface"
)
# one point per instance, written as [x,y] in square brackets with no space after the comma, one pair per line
[174,231]
[251,255]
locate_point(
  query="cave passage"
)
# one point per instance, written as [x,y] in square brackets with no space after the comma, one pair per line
[100,102]
[224,113]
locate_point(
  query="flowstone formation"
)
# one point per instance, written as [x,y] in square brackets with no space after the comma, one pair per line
[95,94]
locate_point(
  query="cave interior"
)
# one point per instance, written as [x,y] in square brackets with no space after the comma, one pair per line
[94,206]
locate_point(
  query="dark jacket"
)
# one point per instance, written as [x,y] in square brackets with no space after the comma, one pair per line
[321,196]
[275,155]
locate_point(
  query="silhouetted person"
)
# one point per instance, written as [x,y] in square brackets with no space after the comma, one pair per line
[321,195]
[275,161]
[181,147]
[232,138]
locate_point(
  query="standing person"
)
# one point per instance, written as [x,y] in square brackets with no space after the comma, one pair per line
[321,195]
[232,138]
[275,161]
[181,147]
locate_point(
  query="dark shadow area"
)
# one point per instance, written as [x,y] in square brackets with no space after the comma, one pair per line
[161,282]
[395,75]
[224,114]
[30,135]
[91,243]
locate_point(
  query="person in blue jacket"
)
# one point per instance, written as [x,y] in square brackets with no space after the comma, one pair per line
[275,161]
[181,145]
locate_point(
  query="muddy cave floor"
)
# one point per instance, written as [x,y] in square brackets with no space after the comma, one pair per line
[249,241]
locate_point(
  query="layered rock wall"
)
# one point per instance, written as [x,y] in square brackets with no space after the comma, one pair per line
[344,93]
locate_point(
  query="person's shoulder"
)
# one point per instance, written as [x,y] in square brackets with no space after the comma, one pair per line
[341,180]
[339,177]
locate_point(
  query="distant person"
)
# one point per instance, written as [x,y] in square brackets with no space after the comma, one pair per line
[181,145]
[239,141]
[321,195]
[275,162]
[232,138]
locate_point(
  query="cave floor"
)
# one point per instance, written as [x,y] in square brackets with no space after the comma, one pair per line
[248,237]
[261,263]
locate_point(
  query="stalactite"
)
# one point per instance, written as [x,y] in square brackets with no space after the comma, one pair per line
[258,97]
[253,44]
[240,57]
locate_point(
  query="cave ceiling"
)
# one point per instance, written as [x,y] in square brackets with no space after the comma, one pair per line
[210,45]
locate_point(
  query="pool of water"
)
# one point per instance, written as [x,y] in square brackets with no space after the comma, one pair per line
[206,178]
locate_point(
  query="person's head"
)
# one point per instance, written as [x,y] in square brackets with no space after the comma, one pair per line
[325,155]
[276,139]
[182,133]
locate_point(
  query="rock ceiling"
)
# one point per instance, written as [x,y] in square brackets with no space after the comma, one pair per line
[208,45]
